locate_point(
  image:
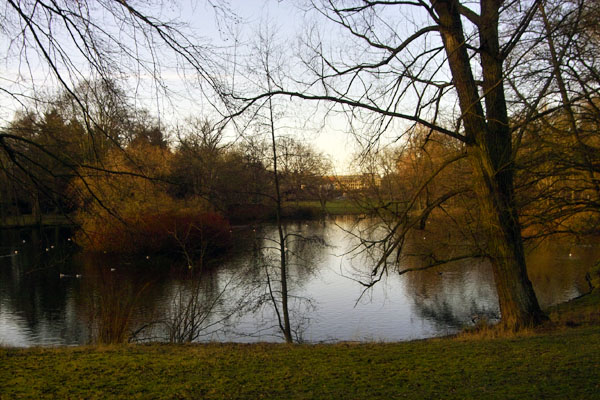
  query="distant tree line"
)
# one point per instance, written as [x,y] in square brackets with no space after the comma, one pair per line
[116,165]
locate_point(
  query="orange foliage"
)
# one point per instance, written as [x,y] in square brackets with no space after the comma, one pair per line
[126,208]
[168,232]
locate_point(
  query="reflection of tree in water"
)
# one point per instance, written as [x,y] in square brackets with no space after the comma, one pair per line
[203,304]
[118,298]
[221,298]
[406,243]
[462,291]
[159,300]
[304,247]
[557,269]
[447,283]
[195,309]
[31,261]
[455,295]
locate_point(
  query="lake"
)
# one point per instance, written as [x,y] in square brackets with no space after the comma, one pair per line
[50,294]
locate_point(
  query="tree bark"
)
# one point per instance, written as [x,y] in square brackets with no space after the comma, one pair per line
[489,149]
[519,307]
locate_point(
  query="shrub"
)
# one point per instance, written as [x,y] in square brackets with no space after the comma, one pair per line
[130,211]
[151,232]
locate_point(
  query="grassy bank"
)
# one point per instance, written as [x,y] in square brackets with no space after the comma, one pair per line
[333,207]
[561,360]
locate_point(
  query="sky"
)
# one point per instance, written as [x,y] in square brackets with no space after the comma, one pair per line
[231,34]
[288,19]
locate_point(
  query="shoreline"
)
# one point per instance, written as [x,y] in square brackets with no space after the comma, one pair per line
[559,360]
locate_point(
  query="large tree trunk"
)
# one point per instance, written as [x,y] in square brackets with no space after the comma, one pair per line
[489,149]
[519,307]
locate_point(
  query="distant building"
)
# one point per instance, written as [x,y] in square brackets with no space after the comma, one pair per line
[347,183]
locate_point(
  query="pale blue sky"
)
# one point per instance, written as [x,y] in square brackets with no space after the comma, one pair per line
[330,136]
[289,20]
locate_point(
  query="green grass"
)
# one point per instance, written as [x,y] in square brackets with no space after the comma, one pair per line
[559,361]
[333,207]
[582,311]
[556,365]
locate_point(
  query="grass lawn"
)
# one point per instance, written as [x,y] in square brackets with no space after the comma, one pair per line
[332,207]
[560,361]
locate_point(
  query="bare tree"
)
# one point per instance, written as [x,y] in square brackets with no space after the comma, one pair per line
[283,314]
[287,160]
[559,151]
[453,67]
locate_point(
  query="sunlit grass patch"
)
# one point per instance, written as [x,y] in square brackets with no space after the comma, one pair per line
[485,330]
[584,310]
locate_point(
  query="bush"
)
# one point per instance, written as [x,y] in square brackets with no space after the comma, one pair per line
[168,232]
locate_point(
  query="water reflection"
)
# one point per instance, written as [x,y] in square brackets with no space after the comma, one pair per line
[259,280]
[455,295]
[116,300]
[50,296]
[196,309]
[557,269]
[35,303]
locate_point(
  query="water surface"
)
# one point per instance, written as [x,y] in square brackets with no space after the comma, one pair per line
[51,295]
